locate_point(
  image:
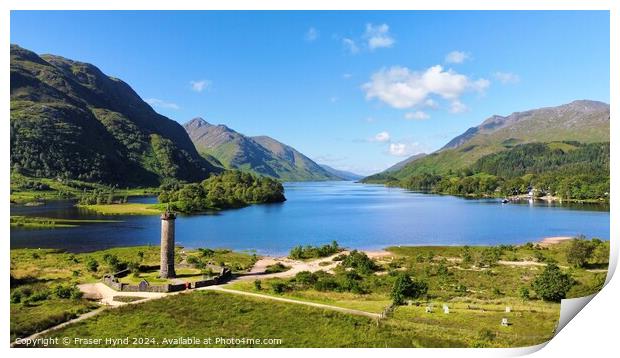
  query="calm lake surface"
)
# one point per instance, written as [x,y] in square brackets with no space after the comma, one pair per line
[356,215]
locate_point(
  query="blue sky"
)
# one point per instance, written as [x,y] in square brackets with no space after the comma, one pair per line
[356,90]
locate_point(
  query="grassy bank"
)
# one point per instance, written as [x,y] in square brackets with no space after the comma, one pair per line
[125,209]
[34,222]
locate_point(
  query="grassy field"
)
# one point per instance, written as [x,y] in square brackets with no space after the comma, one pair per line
[477,293]
[210,314]
[35,274]
[32,222]
[126,209]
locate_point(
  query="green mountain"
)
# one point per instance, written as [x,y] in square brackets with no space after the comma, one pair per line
[260,155]
[583,121]
[558,152]
[71,121]
[346,175]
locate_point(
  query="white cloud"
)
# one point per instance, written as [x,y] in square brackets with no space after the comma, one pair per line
[350,45]
[369,119]
[381,137]
[346,76]
[457,107]
[404,149]
[199,86]
[417,115]
[378,36]
[402,88]
[312,34]
[160,103]
[457,57]
[398,149]
[333,99]
[507,77]
[430,103]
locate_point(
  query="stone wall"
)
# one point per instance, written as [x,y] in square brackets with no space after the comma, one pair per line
[112,281]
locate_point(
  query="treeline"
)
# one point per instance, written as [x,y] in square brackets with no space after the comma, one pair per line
[102,196]
[569,170]
[231,189]
[310,252]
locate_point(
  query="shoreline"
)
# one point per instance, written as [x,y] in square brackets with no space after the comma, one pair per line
[371,252]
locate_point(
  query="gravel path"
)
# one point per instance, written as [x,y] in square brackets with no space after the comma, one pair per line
[288,300]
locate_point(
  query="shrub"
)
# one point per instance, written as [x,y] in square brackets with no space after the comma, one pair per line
[277,267]
[278,287]
[552,284]
[309,252]
[92,265]
[326,283]
[404,287]
[257,285]
[466,258]
[350,281]
[206,252]
[360,262]
[524,293]
[579,252]
[67,292]
[490,256]
[305,278]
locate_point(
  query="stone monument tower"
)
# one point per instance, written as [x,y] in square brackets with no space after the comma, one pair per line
[167,245]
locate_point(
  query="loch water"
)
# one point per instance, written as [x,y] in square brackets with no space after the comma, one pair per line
[356,215]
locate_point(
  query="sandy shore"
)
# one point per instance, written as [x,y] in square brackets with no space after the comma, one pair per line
[548,241]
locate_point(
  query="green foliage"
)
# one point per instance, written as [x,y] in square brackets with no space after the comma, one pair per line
[569,170]
[524,293]
[279,287]
[552,284]
[231,189]
[277,267]
[579,252]
[92,265]
[360,262]
[67,292]
[310,252]
[404,287]
[490,256]
[258,285]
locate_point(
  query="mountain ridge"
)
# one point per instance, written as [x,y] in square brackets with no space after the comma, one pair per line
[581,120]
[70,120]
[259,154]
[344,174]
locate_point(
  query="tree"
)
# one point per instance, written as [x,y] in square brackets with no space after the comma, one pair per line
[552,284]
[579,252]
[404,287]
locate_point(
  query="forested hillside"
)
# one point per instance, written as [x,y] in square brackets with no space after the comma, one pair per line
[70,121]
[569,170]
[558,151]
